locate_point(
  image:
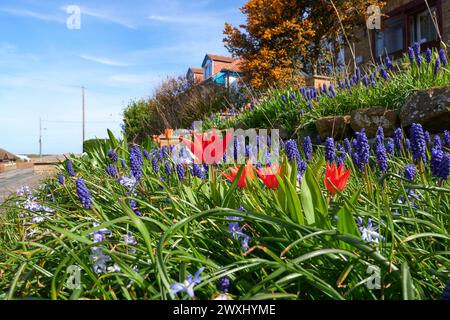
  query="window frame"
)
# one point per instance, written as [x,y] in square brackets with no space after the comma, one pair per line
[410,9]
[209,64]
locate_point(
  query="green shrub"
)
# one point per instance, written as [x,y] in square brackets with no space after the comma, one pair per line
[92,144]
[176,103]
[136,118]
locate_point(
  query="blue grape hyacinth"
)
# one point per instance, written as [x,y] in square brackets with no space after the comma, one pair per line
[443,56]
[69,167]
[330,153]
[410,172]
[307,147]
[83,193]
[418,143]
[292,150]
[362,149]
[398,138]
[381,157]
[61,179]
[112,155]
[111,170]
[136,162]
[180,171]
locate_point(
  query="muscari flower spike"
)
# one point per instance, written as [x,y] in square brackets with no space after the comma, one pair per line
[347,146]
[398,138]
[292,150]
[136,162]
[112,155]
[69,167]
[83,193]
[444,167]
[61,178]
[437,66]
[381,157]
[443,56]
[437,142]
[111,170]
[428,56]
[390,147]
[180,171]
[410,172]
[418,144]
[330,153]
[224,284]
[362,149]
[307,147]
[446,138]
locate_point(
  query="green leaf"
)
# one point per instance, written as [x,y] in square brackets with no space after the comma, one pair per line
[407,284]
[293,203]
[346,221]
[314,205]
[233,187]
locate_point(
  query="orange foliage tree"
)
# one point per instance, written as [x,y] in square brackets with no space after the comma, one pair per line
[283,37]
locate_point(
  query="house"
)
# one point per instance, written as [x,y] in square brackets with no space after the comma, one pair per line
[404,22]
[195,75]
[6,156]
[219,69]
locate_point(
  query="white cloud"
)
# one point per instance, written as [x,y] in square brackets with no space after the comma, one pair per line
[104,61]
[104,16]
[33,14]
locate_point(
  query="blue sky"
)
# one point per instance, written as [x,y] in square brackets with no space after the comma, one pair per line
[122,51]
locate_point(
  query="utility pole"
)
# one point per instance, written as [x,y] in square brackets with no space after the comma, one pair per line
[40,139]
[84,114]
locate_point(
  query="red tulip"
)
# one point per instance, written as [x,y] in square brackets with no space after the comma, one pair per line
[208,148]
[168,133]
[336,178]
[247,174]
[268,176]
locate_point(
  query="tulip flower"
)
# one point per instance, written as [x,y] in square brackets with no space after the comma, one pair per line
[168,133]
[336,178]
[268,176]
[247,174]
[208,148]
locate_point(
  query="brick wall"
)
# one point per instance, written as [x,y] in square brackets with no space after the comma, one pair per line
[7,166]
[24,165]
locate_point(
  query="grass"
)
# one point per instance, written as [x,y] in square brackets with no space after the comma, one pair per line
[304,244]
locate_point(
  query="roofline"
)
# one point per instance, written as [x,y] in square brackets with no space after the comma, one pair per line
[192,69]
[221,60]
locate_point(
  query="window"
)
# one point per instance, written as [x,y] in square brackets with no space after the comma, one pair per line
[208,69]
[421,27]
[391,39]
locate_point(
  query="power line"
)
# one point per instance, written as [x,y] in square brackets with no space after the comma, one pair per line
[74,121]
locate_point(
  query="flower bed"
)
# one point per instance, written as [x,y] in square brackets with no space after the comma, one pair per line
[140,226]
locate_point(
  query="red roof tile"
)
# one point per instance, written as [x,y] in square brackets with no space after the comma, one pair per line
[196,70]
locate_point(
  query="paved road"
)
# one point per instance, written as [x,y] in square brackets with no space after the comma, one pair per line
[12,180]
